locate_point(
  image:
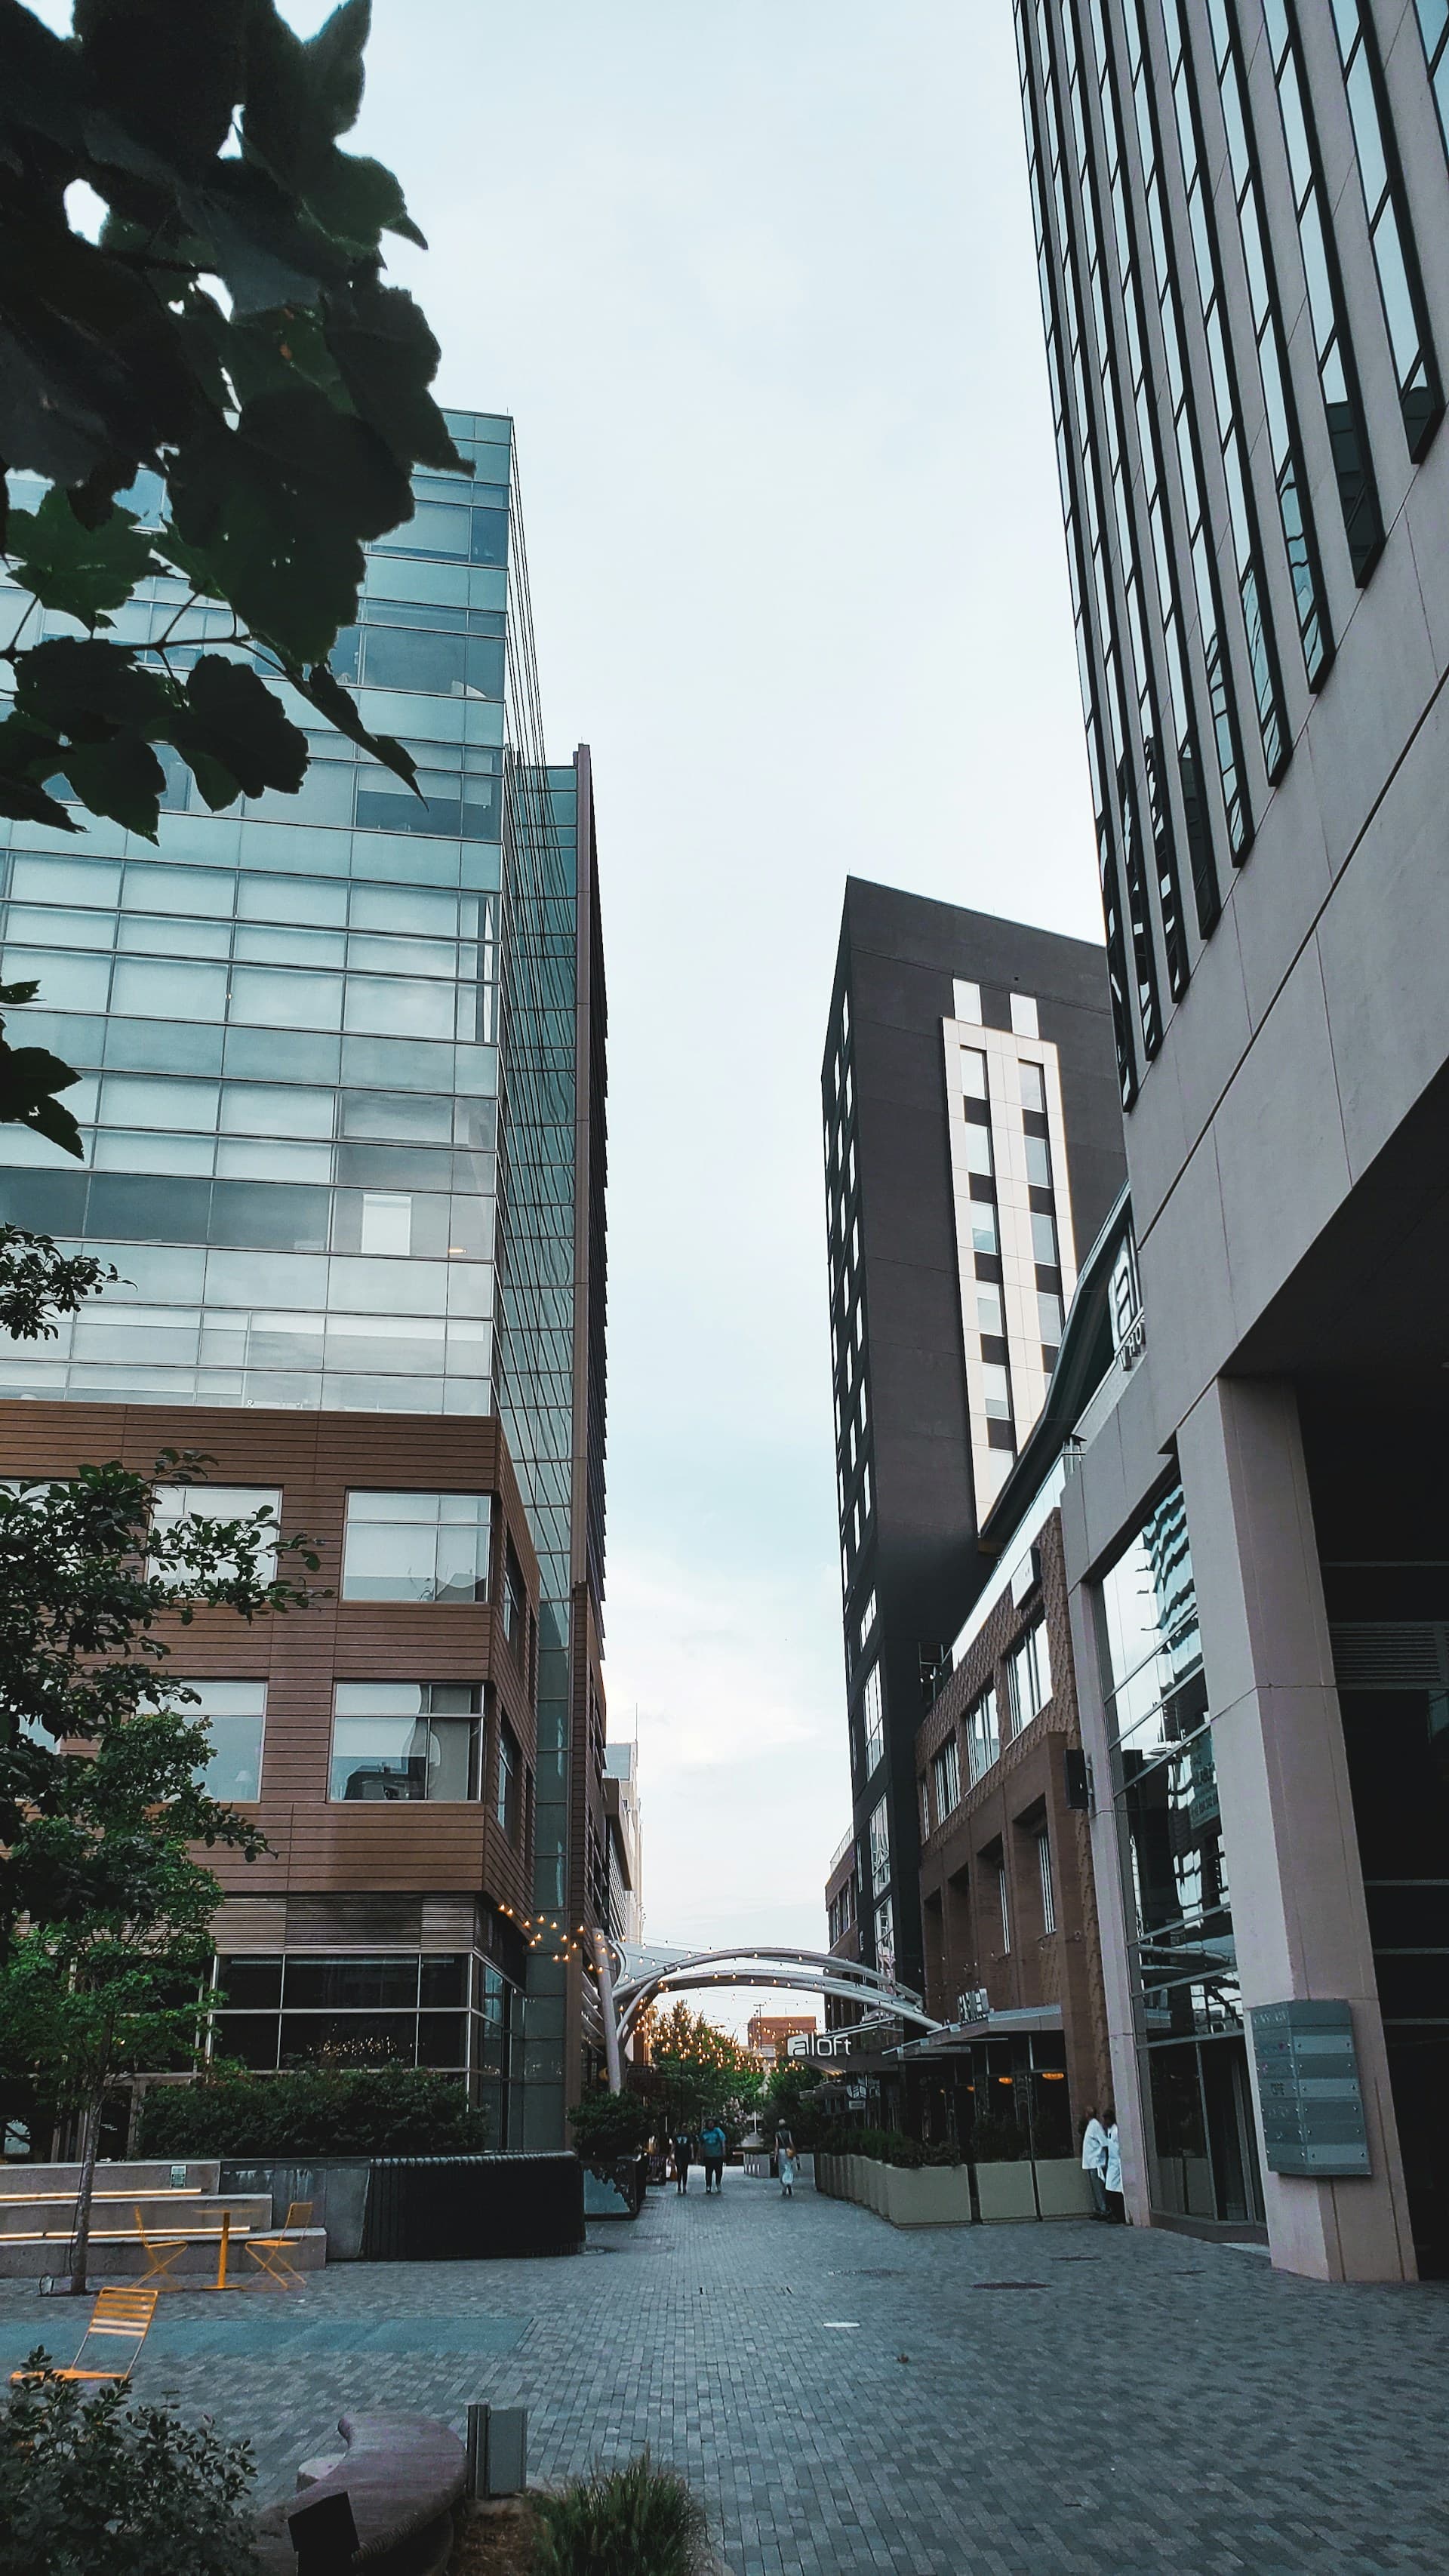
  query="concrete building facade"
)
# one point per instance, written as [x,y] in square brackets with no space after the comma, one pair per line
[1242,214]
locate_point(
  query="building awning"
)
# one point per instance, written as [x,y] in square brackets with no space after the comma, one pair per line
[990,2025]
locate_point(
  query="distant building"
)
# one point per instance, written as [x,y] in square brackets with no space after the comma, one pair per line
[1009,1911]
[621,1815]
[769,2034]
[973,1142]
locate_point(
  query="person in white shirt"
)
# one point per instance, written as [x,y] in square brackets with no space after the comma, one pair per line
[1094,2161]
[1112,2177]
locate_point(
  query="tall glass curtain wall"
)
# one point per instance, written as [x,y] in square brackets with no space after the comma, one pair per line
[286,1018]
[1184,1960]
[536,1332]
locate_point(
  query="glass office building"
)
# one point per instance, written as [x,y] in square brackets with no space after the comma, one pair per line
[286,1018]
[293,1021]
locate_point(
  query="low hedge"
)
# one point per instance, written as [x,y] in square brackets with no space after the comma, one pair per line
[991,2142]
[893,2147]
[359,2111]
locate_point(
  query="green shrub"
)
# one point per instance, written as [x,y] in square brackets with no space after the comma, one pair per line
[318,2111]
[94,2487]
[634,2521]
[610,2126]
[941,2152]
[994,2141]
[885,2147]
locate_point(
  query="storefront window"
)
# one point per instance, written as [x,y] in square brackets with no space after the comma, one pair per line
[1183,1953]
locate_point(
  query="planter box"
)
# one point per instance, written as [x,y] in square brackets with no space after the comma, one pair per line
[931,2196]
[874,2175]
[1063,2190]
[1005,2191]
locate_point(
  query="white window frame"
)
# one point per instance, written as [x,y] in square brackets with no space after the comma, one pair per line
[1048,1896]
[872,1720]
[880,1848]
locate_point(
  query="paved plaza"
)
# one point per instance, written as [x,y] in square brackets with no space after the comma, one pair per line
[849,2398]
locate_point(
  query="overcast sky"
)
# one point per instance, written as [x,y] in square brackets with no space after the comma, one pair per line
[755,279]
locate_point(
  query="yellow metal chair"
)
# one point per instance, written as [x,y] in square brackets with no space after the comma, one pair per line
[274,2253]
[161,2252]
[120,2318]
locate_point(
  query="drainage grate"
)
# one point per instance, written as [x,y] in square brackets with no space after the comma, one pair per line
[1008,2285]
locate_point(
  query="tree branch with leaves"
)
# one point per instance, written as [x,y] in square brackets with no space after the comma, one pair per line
[229,334]
[104,1910]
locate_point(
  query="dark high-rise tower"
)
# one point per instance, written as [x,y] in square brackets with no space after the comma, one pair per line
[973,1146]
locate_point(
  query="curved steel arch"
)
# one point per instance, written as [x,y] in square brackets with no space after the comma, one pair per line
[659,1970]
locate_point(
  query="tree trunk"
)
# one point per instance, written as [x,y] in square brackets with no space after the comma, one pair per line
[80,2241]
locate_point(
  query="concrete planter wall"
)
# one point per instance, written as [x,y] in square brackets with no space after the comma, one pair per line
[940,2195]
[336,2186]
[1063,2190]
[931,2196]
[1005,2191]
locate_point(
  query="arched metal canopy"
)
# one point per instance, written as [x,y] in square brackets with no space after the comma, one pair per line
[630,1978]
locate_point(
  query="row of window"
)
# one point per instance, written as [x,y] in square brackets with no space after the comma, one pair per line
[73,889]
[431,2009]
[1042,1840]
[841,1912]
[989,1722]
[392,1743]
[380,1002]
[32,926]
[1076,126]
[404,1546]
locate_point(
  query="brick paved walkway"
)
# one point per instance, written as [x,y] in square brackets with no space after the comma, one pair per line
[851,2398]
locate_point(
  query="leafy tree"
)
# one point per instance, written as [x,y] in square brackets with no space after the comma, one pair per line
[791,2101]
[704,2070]
[103,1911]
[86,1584]
[260,435]
[31,1076]
[94,2486]
[609,2126]
[37,1281]
[84,2002]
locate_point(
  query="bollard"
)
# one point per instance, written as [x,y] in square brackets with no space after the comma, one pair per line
[497,2450]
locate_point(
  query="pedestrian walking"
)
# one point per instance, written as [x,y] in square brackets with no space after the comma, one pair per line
[681,2144]
[1094,2161]
[712,2145]
[785,2145]
[1112,2171]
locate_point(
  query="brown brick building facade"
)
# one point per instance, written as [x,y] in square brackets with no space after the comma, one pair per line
[1008,1906]
[388,1745]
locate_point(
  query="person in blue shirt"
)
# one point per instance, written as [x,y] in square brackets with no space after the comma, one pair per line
[712,2146]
